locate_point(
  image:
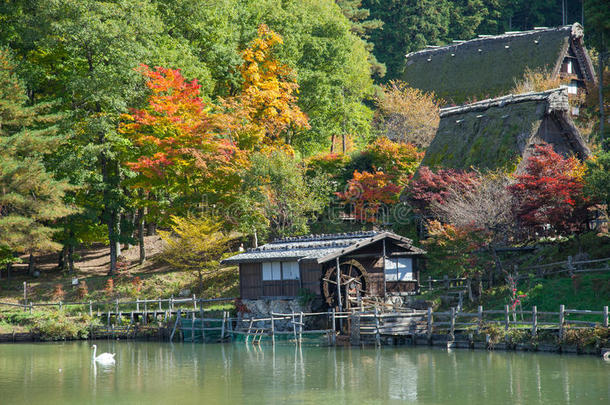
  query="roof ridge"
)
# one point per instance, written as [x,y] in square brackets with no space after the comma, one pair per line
[324,236]
[575,28]
[504,100]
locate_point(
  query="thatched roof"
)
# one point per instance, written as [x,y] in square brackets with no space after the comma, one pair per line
[488,66]
[497,132]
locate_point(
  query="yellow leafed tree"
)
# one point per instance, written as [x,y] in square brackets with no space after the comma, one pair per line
[194,244]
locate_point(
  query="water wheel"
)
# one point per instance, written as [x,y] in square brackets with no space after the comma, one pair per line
[352,286]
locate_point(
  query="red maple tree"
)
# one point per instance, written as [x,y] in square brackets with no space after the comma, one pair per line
[434,187]
[549,194]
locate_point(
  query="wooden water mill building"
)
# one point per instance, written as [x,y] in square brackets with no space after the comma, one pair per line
[371,264]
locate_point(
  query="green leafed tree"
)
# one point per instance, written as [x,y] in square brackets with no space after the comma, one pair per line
[277,199]
[31,199]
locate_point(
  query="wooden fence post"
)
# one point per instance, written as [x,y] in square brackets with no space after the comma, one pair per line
[223,326]
[171,303]
[506,317]
[272,329]
[25,295]
[377,334]
[605,316]
[160,307]
[562,315]
[430,320]
[480,316]
[534,320]
[137,305]
[452,330]
[194,302]
[570,266]
[300,327]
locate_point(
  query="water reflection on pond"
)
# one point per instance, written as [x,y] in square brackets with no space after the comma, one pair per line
[153,373]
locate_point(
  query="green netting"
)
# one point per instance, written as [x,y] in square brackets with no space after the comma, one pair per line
[194,333]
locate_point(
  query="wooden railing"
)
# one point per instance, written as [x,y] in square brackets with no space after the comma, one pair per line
[139,305]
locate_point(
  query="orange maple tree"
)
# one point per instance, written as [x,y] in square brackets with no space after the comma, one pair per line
[178,138]
[368,193]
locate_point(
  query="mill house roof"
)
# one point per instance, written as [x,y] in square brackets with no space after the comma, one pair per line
[320,248]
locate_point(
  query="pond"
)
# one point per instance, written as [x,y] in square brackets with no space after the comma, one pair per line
[164,373]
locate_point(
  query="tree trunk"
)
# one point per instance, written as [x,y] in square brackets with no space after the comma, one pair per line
[255,239]
[600,79]
[141,226]
[71,259]
[61,259]
[332,143]
[344,145]
[150,229]
[31,265]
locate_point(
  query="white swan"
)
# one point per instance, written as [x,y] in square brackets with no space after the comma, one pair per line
[105,358]
[606,355]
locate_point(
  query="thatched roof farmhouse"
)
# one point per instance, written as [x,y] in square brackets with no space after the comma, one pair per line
[497,132]
[489,66]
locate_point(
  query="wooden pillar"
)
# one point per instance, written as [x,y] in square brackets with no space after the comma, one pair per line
[506,317]
[452,329]
[137,305]
[339,286]
[534,320]
[194,302]
[384,280]
[272,330]
[562,315]
[223,326]
[377,334]
[300,327]
[430,320]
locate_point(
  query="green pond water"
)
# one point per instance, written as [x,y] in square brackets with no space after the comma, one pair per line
[176,374]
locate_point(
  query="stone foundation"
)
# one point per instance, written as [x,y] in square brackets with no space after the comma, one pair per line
[264,307]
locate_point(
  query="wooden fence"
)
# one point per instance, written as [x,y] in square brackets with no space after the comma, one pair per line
[569,267]
[117,306]
[532,320]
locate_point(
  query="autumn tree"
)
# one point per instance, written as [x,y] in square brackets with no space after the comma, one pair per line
[431,188]
[486,205]
[371,195]
[407,114]
[266,109]
[549,196]
[195,244]
[180,147]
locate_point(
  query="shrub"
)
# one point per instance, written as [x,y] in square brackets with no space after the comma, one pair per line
[58,293]
[109,288]
[58,326]
[83,290]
